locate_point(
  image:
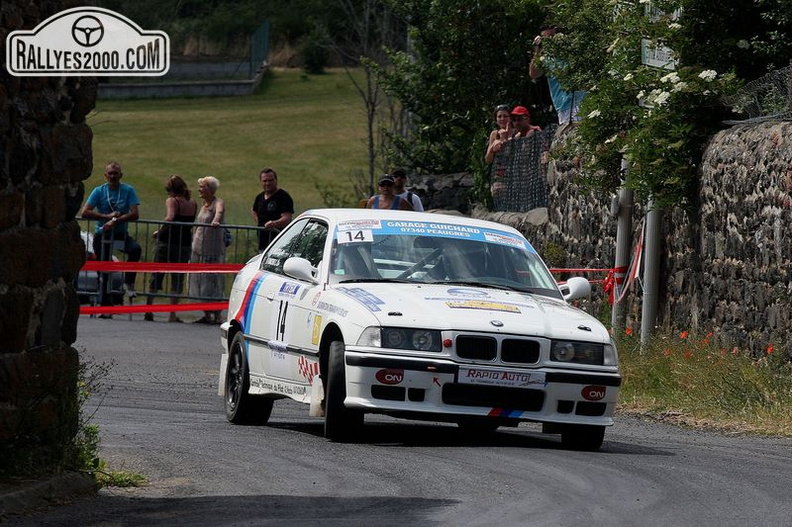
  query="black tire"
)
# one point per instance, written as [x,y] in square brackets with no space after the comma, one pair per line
[582,437]
[341,423]
[242,408]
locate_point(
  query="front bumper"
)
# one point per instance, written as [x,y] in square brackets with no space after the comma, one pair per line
[412,386]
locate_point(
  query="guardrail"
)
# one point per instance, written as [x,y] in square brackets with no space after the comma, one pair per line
[243,245]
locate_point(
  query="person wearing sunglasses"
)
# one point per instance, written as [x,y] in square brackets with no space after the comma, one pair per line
[521,120]
[387,198]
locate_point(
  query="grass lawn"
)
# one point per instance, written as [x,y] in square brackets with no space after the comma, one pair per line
[310,128]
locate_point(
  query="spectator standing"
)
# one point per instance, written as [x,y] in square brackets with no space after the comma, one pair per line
[273,208]
[174,242]
[208,246]
[521,119]
[566,103]
[399,180]
[113,205]
[502,126]
[387,199]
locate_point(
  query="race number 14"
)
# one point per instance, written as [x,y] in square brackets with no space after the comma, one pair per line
[355,236]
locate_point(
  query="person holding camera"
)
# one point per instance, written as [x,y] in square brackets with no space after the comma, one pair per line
[566,103]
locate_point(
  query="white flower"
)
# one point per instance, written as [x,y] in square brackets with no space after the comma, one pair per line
[671,77]
[679,86]
[674,25]
[662,98]
[611,139]
[644,1]
[641,94]
[595,113]
[743,44]
[628,77]
[708,75]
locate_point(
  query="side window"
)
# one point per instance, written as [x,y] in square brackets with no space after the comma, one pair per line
[279,251]
[311,243]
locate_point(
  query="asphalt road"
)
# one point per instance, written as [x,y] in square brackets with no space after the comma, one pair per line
[161,417]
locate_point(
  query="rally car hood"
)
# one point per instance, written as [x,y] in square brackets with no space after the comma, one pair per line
[475,309]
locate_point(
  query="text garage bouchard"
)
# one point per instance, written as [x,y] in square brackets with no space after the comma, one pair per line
[87,41]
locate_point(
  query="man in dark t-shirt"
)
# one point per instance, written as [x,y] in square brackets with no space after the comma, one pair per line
[272,209]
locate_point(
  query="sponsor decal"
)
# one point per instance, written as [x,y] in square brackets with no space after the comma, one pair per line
[511,378]
[317,327]
[288,289]
[87,41]
[316,299]
[357,225]
[480,304]
[504,239]
[369,300]
[463,291]
[288,389]
[390,376]
[307,368]
[277,345]
[330,308]
[593,393]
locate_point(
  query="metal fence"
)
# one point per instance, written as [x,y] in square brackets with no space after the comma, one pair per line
[166,287]
[519,173]
[764,99]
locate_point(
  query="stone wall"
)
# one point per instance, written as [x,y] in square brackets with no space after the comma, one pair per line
[45,154]
[726,268]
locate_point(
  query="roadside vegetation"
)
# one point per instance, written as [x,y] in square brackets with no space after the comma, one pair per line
[91,391]
[704,383]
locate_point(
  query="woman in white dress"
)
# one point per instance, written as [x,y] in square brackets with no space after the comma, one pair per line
[208,246]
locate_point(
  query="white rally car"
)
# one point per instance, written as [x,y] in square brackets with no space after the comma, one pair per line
[416,315]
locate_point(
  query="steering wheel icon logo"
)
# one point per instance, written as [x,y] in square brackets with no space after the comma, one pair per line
[88,31]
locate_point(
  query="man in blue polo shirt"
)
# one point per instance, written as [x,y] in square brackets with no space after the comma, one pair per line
[113,205]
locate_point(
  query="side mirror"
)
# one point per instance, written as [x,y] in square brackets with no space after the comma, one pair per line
[301,269]
[576,287]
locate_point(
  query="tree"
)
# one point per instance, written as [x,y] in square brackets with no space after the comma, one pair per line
[660,118]
[360,37]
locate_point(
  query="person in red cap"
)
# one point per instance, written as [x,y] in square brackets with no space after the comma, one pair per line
[521,119]
[521,123]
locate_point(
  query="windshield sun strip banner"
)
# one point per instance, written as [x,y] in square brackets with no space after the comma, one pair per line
[345,232]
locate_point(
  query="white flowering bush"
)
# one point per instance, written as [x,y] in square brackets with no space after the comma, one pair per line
[658,118]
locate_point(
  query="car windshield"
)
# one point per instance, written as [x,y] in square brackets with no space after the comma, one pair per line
[431,253]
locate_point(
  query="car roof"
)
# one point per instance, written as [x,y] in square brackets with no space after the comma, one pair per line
[335,215]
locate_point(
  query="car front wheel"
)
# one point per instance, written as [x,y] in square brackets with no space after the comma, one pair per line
[341,423]
[240,406]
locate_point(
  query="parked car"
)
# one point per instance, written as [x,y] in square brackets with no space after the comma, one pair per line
[87,282]
[415,315]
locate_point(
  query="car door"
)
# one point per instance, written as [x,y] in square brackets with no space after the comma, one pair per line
[302,326]
[267,350]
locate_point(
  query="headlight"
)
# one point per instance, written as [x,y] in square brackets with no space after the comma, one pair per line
[401,338]
[581,352]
